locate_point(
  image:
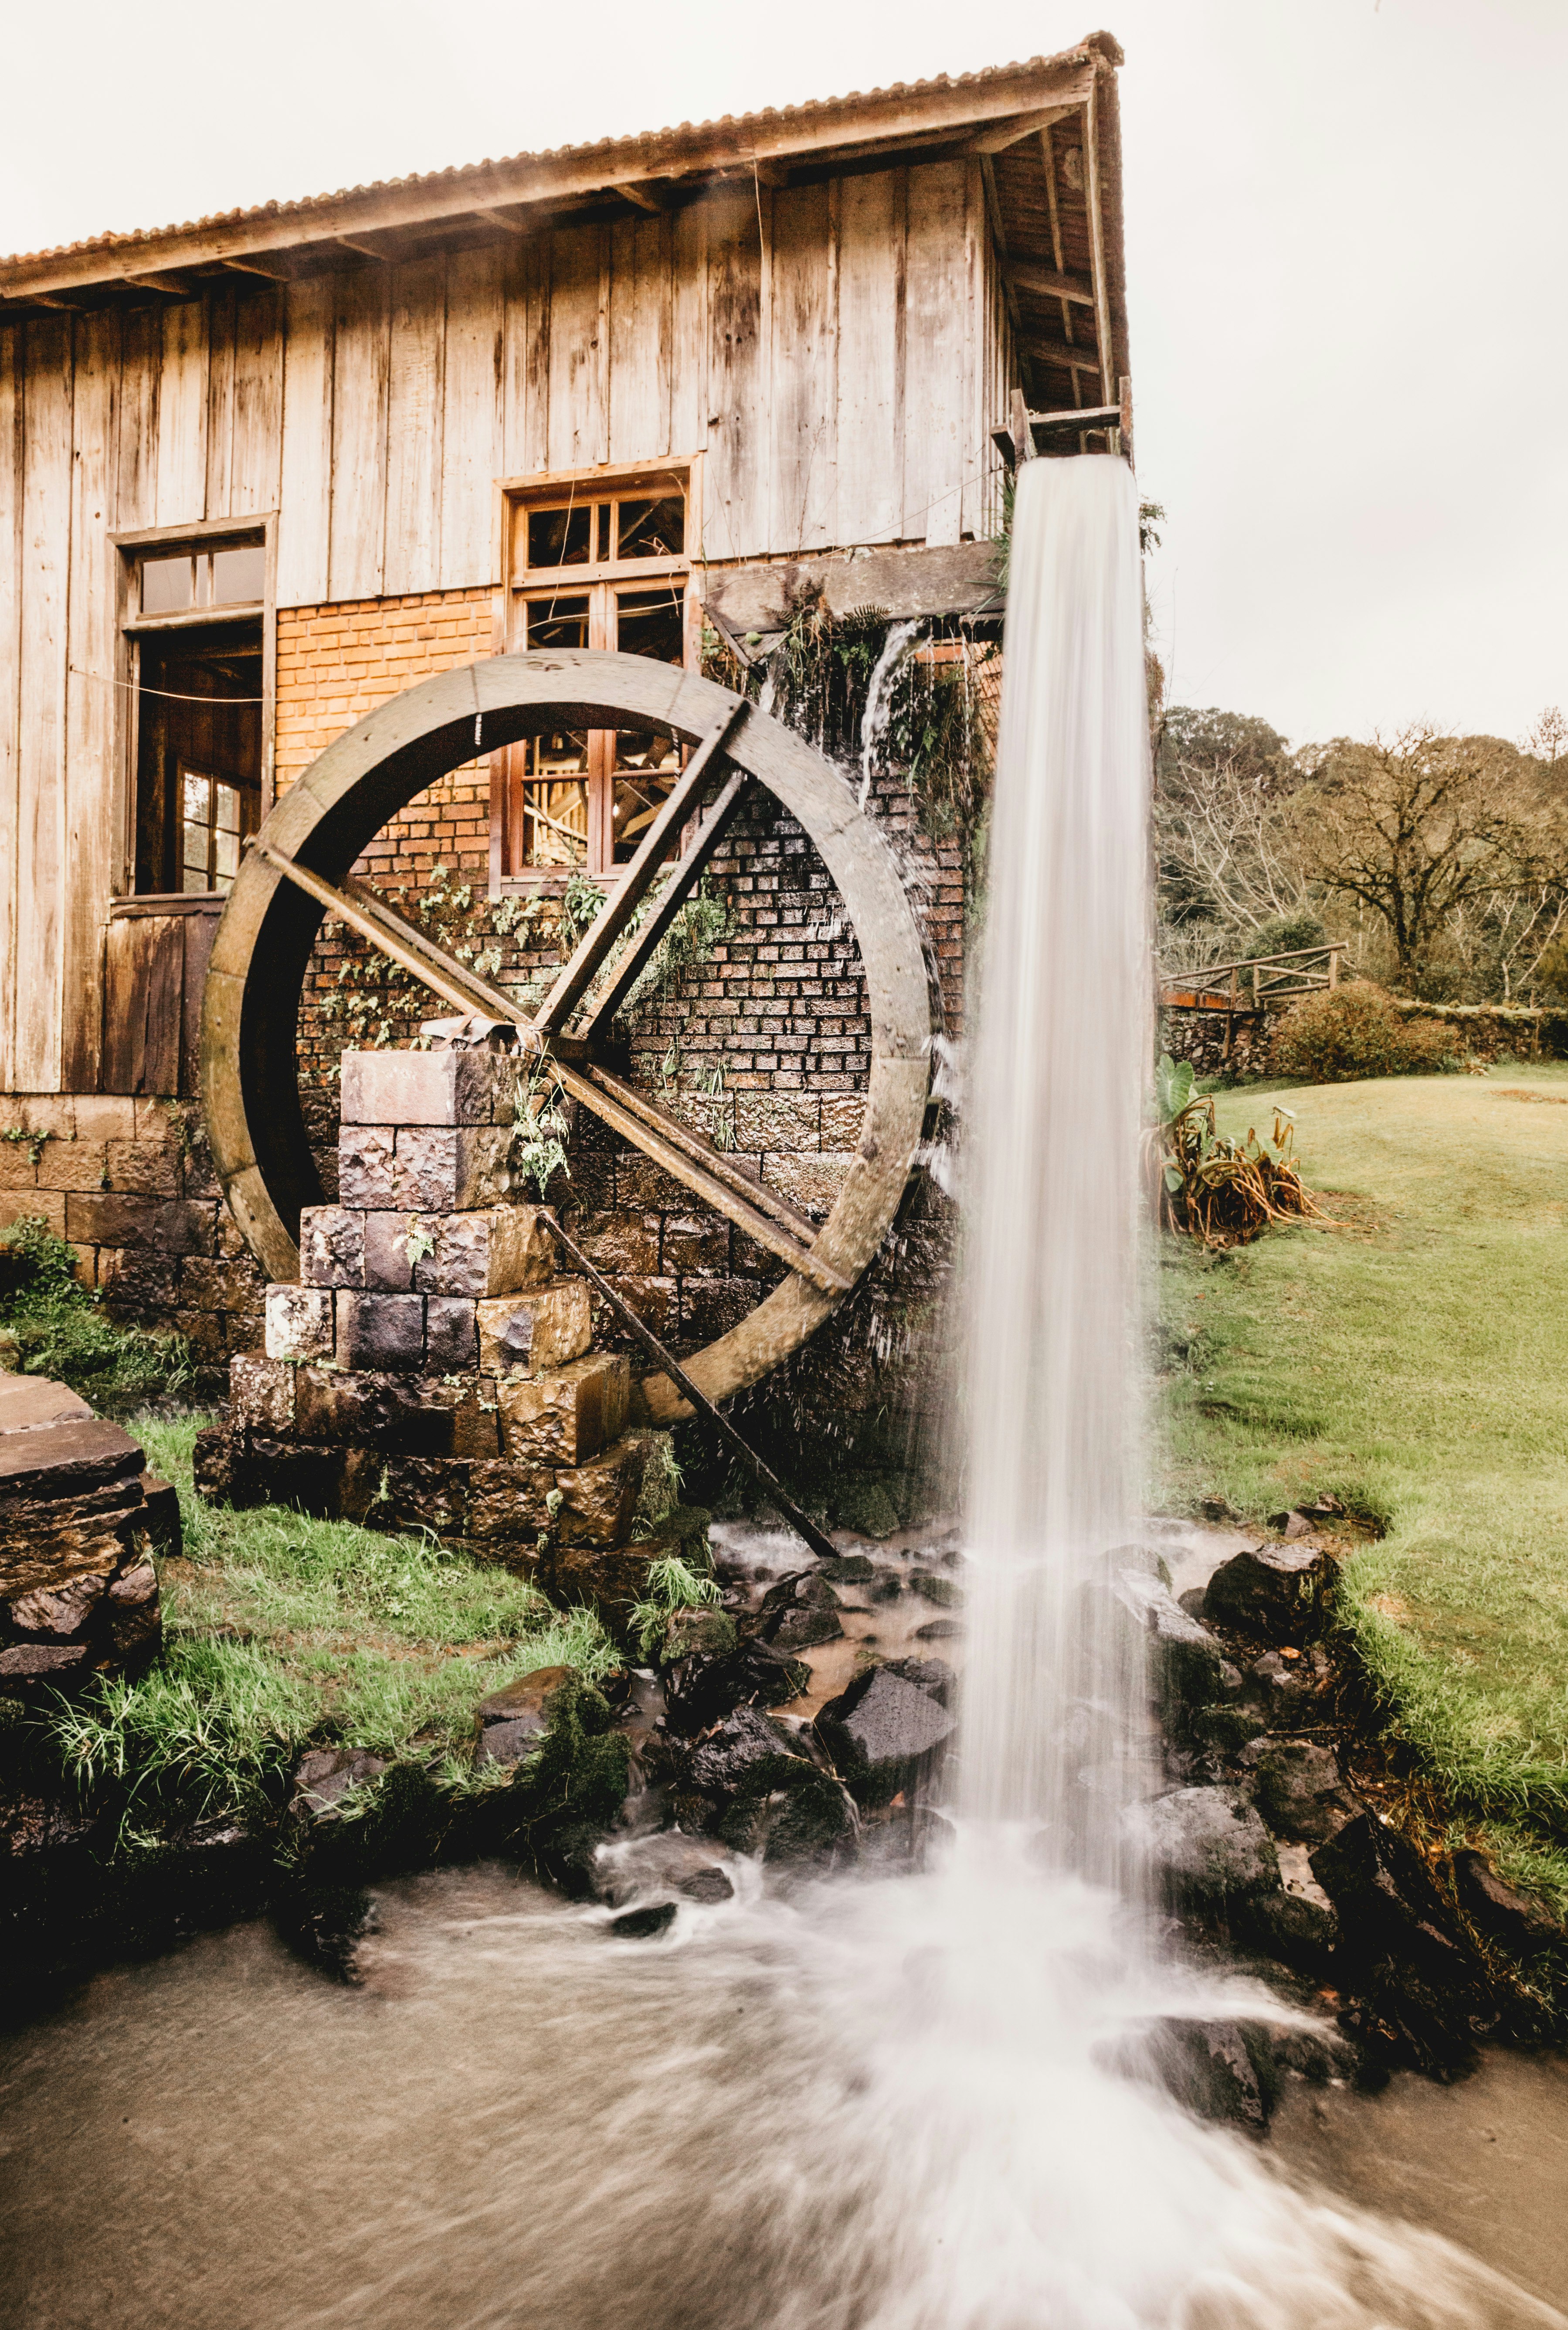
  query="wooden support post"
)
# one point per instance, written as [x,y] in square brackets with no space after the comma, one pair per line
[1230,1011]
[1334,954]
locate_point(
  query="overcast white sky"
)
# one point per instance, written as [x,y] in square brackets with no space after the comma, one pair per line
[1347,271]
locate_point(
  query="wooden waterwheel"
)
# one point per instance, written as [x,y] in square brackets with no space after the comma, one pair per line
[298,870]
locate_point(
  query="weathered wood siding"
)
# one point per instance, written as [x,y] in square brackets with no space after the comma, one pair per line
[837,352]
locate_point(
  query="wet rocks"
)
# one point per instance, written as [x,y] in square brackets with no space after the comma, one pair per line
[1292,1690]
[1277,1593]
[743,1748]
[1298,1788]
[1231,2071]
[705,1633]
[799,1612]
[1500,1912]
[884,1731]
[701,1687]
[1190,1669]
[325,1775]
[1207,1848]
[1422,1993]
[693,1868]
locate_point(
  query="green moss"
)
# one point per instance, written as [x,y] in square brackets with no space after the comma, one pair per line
[63,1331]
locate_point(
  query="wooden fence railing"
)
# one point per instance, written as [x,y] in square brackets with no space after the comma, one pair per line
[1252,984]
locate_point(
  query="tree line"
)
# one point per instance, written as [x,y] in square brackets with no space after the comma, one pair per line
[1439,861]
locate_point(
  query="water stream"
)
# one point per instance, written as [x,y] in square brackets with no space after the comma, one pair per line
[875,2101]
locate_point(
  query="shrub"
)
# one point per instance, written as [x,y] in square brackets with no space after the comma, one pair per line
[1207,1186]
[1357,1030]
[61,1331]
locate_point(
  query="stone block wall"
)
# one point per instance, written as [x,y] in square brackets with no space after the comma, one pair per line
[131,1183]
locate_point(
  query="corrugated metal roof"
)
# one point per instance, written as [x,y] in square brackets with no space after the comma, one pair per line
[615,152]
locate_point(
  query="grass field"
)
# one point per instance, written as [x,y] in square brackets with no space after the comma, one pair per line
[1413,1360]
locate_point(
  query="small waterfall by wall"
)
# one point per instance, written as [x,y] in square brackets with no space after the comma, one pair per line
[1050,1389]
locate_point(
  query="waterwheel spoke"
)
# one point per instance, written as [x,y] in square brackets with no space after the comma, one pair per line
[593,949]
[683,881]
[681,1152]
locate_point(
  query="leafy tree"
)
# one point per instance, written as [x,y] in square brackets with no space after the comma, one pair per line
[1432,835]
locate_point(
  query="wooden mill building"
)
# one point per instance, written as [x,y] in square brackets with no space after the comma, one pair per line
[259,472]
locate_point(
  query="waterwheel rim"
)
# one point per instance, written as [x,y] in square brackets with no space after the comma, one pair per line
[261,952]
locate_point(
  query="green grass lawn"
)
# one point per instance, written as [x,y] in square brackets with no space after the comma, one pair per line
[1415,1362]
[279,1629]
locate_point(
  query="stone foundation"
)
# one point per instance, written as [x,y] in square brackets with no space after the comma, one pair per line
[79,1519]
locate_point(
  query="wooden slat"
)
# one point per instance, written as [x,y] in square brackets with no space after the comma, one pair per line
[701,1152]
[356,559]
[198,933]
[937,451]
[639,340]
[12,340]
[304,521]
[870,275]
[1045,283]
[143,1005]
[140,367]
[527,414]
[734,487]
[803,412]
[182,490]
[684,879]
[254,469]
[1093,197]
[88,772]
[415,395]
[220,304]
[472,437]
[41,791]
[593,949]
[578,353]
[689,406]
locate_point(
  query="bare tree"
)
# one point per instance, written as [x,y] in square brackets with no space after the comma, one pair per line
[1548,739]
[1427,830]
[1228,853]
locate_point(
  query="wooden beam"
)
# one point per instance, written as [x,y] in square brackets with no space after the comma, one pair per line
[684,879]
[491,216]
[593,948]
[274,265]
[366,250]
[804,1527]
[1044,283]
[176,286]
[955,578]
[1013,133]
[1053,208]
[1097,248]
[1003,265]
[697,1146]
[1070,357]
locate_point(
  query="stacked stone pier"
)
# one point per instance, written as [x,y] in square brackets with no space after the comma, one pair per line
[431,1367]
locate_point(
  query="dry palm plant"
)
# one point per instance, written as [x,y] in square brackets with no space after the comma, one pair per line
[1207,1186]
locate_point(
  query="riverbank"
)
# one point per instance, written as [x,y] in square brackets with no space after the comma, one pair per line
[1412,1360]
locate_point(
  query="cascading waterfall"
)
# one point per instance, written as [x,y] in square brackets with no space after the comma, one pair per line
[1052,1698]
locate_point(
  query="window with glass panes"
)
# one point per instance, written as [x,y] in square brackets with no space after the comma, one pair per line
[212,816]
[602,565]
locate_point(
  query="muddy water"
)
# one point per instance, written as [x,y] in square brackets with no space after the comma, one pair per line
[789,2112]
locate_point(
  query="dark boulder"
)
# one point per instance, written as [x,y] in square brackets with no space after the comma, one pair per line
[799,1612]
[1217,2070]
[944,1592]
[1189,1669]
[642,1925]
[701,1689]
[1276,1593]
[804,1815]
[514,1721]
[1517,1924]
[705,1633]
[1298,1931]
[1206,1848]
[325,1775]
[1421,1991]
[1298,1789]
[884,1731]
[849,1569]
[741,1752]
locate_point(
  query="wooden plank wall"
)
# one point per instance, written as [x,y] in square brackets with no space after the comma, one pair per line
[838,352]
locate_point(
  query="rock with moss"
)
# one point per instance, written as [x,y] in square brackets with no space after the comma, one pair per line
[567,1792]
[868,1507]
[708,1633]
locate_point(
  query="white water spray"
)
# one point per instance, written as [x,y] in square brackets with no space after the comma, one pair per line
[874,720]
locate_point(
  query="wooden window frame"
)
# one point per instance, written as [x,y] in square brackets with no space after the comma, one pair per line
[126,551]
[598,580]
